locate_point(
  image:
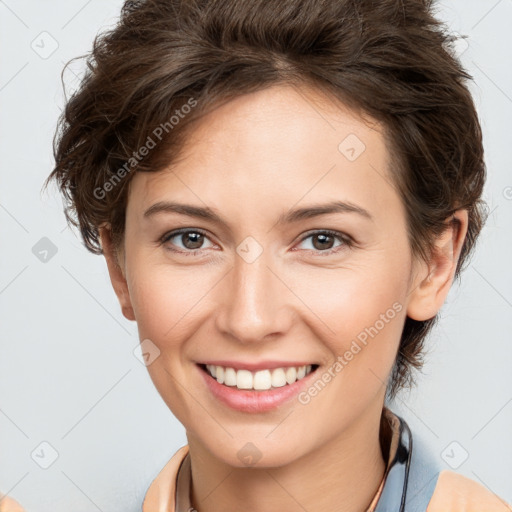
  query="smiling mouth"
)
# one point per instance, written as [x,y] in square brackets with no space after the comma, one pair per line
[262,380]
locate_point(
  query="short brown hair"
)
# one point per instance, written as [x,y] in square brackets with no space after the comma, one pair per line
[390,59]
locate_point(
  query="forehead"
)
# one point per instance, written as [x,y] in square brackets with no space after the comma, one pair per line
[279,145]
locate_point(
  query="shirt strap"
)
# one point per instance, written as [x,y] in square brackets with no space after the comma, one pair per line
[412,476]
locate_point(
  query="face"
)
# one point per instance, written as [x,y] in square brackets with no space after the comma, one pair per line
[304,260]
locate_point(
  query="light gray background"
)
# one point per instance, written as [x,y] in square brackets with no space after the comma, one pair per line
[68,374]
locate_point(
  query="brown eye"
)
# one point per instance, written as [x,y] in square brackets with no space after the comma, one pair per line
[192,239]
[185,240]
[323,241]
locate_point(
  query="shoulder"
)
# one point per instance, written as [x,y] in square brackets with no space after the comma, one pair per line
[458,493]
[161,494]
[9,505]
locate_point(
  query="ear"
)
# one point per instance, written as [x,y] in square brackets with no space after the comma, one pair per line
[117,276]
[433,282]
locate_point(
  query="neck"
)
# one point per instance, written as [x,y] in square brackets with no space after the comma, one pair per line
[343,474]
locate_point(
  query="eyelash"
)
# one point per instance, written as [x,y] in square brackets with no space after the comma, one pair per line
[348,242]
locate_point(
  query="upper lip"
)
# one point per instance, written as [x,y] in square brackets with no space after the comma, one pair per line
[261,365]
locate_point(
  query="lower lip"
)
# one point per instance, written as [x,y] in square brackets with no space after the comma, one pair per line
[255,401]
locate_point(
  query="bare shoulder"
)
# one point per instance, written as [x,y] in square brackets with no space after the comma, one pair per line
[457,493]
[9,505]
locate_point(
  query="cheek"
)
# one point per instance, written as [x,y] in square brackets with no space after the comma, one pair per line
[359,312]
[365,325]
[166,301]
[166,306]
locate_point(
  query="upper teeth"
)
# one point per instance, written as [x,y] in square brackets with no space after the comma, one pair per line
[260,380]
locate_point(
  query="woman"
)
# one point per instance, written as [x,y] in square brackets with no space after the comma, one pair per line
[284,192]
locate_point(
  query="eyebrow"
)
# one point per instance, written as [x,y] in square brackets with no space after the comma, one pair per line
[289,217]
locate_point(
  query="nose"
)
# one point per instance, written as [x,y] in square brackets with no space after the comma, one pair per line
[255,303]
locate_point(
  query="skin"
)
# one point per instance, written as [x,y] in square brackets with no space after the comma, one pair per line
[252,160]
[8,504]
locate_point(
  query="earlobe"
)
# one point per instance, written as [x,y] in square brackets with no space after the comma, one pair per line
[433,282]
[115,271]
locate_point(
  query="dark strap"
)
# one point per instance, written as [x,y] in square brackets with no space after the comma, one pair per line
[412,476]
